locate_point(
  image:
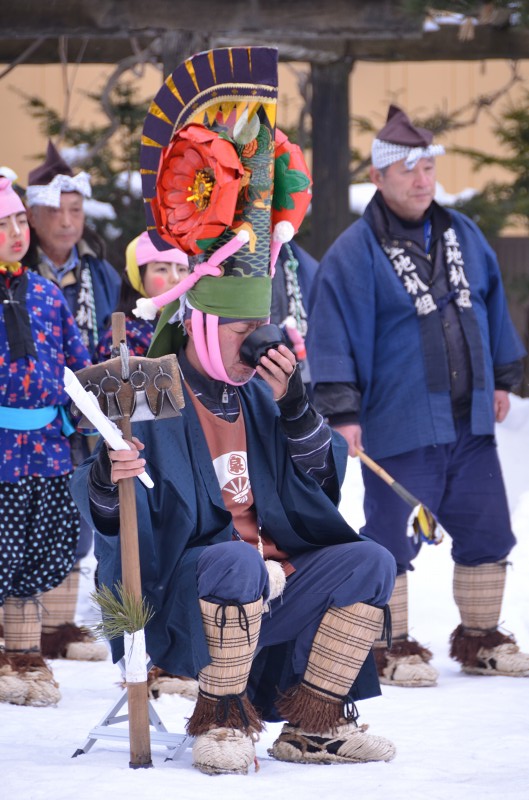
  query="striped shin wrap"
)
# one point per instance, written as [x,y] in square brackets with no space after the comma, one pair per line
[341,644]
[478,592]
[22,624]
[232,631]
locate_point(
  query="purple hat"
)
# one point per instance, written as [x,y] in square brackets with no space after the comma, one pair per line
[47,182]
[399,129]
[401,140]
[52,166]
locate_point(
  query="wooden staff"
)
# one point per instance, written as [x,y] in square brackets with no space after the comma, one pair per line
[137,694]
[424,523]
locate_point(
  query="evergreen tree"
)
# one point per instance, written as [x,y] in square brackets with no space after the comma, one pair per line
[110,154]
[504,202]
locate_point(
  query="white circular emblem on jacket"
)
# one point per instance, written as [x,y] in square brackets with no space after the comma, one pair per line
[232,474]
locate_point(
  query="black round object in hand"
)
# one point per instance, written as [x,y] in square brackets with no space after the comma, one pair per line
[259,342]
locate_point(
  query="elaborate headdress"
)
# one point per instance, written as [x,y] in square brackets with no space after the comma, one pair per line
[400,139]
[46,182]
[224,185]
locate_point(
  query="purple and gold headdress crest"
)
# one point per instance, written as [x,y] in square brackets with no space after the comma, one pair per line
[219,181]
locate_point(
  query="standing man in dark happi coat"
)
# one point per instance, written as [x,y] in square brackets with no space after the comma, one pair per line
[413,355]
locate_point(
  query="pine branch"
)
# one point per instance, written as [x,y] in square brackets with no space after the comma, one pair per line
[121,614]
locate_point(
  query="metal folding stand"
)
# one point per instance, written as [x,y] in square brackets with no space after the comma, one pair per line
[176,743]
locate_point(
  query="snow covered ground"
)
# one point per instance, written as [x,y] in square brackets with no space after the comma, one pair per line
[468,737]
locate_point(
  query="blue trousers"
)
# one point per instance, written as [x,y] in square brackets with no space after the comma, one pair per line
[462,485]
[338,575]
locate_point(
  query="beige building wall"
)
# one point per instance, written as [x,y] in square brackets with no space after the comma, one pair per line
[420,88]
[20,138]
[423,88]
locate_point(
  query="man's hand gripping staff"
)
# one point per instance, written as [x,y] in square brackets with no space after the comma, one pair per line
[128,388]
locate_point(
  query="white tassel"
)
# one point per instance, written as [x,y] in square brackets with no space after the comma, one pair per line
[283,231]
[276,578]
[145,308]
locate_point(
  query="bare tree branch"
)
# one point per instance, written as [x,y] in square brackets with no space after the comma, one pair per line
[23,56]
[304,84]
[360,168]
[471,111]
[138,59]
[68,82]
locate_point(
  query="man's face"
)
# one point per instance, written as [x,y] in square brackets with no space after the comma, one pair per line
[407,192]
[59,229]
[231,337]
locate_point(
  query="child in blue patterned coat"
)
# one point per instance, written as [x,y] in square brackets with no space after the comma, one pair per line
[39,523]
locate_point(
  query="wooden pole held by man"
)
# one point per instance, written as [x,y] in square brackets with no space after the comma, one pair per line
[137,694]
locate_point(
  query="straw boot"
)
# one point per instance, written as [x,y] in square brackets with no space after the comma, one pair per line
[224,721]
[61,638]
[25,678]
[477,643]
[406,662]
[319,730]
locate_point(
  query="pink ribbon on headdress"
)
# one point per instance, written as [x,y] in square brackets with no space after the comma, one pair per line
[199,338]
[210,267]
[207,345]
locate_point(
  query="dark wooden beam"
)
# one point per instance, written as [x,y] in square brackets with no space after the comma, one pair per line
[445,45]
[442,45]
[331,156]
[292,20]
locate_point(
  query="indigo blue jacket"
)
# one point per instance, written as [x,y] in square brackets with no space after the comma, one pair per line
[184,512]
[363,329]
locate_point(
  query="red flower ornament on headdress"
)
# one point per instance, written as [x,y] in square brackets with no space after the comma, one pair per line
[292,182]
[197,187]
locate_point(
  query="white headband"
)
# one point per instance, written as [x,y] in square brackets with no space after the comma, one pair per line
[385,153]
[50,194]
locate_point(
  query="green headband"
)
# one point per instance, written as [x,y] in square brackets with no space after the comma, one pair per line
[238,298]
[233,296]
